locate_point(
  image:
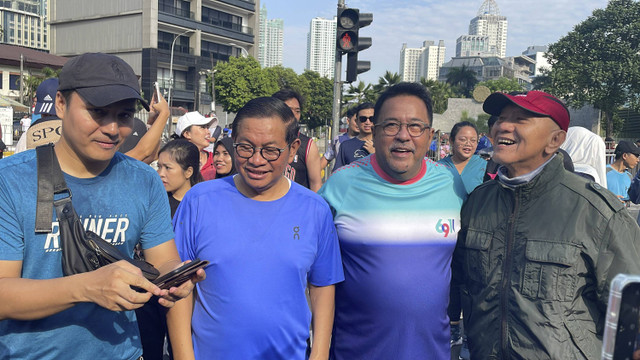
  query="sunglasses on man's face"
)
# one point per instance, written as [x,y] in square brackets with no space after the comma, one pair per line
[365,118]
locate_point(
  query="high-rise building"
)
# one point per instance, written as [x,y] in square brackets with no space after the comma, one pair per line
[472,45]
[162,40]
[409,63]
[271,40]
[431,59]
[25,23]
[416,63]
[321,46]
[489,22]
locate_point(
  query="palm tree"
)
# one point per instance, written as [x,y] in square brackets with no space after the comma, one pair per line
[31,82]
[387,80]
[463,78]
[359,94]
[440,93]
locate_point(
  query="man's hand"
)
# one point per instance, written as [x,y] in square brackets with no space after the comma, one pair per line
[111,287]
[158,106]
[368,145]
[176,293]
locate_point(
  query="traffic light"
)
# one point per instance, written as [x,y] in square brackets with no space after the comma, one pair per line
[349,42]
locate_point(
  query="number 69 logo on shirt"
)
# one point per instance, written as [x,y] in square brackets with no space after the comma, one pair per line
[446,227]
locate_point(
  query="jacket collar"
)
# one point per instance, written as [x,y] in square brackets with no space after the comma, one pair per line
[551,175]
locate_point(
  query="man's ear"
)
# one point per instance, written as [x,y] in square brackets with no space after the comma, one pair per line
[556,138]
[293,148]
[61,105]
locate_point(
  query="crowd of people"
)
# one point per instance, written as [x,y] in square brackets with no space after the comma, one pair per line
[382,261]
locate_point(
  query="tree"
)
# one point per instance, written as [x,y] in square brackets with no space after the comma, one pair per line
[542,82]
[360,93]
[503,84]
[318,94]
[387,80]
[598,62]
[284,77]
[440,93]
[31,83]
[240,80]
[462,79]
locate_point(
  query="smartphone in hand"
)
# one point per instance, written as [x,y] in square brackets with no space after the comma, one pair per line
[621,338]
[178,276]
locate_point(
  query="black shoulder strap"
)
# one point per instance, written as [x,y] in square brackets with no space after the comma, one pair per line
[50,182]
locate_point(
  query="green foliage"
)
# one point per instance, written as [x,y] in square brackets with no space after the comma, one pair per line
[598,62]
[359,94]
[480,122]
[284,77]
[31,83]
[462,79]
[440,93]
[387,80]
[542,82]
[240,80]
[318,94]
[503,84]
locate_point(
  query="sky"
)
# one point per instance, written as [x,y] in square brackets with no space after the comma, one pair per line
[530,22]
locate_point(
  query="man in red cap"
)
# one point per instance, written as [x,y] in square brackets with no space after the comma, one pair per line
[538,246]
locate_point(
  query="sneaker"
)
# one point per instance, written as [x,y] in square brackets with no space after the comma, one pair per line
[456,338]
[464,350]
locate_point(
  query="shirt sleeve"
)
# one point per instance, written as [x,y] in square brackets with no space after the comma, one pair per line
[619,252]
[327,267]
[184,227]
[157,228]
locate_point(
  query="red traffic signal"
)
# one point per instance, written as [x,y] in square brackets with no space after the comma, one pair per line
[347,40]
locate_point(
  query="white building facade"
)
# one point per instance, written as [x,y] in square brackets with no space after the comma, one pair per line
[25,23]
[490,23]
[416,63]
[321,46]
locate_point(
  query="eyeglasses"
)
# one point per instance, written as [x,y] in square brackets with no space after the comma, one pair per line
[365,118]
[392,128]
[246,151]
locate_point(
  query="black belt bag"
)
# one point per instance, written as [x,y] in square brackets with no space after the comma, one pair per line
[82,250]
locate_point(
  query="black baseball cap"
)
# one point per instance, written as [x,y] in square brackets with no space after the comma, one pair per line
[627,147]
[100,79]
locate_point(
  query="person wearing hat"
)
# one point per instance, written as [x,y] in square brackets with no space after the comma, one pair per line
[44,314]
[538,248]
[195,128]
[618,175]
[46,128]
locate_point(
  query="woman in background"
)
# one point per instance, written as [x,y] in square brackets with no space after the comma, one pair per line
[179,169]
[463,164]
[223,156]
[469,170]
[194,127]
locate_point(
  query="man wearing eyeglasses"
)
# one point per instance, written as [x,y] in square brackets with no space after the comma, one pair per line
[397,215]
[267,238]
[361,145]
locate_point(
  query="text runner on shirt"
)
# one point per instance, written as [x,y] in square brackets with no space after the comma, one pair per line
[278,239]
[88,315]
[397,218]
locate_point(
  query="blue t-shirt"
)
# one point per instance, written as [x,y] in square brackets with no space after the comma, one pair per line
[125,204]
[472,174]
[396,240]
[618,182]
[350,151]
[252,304]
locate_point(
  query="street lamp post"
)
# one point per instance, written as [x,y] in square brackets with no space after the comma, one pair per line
[171,66]
[243,50]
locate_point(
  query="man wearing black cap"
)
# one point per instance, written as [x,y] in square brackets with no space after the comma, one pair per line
[618,176]
[88,315]
[539,247]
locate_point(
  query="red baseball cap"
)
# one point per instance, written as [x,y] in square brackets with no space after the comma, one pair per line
[537,102]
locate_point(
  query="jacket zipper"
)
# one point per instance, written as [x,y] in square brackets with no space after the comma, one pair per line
[506,277]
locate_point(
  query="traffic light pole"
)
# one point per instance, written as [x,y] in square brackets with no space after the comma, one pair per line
[337,92]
